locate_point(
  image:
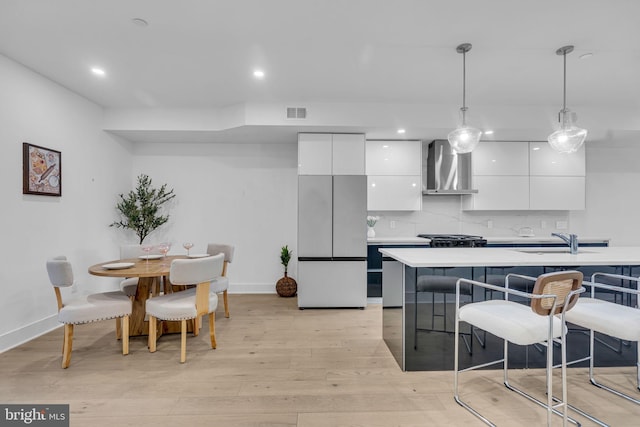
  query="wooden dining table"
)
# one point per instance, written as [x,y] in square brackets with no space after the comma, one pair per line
[150,273]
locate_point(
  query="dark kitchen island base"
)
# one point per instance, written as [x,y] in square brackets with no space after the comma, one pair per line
[423,342]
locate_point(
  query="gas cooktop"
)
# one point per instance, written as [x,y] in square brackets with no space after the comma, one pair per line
[454,240]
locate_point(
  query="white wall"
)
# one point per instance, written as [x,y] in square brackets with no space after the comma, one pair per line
[95,167]
[242,194]
[612,205]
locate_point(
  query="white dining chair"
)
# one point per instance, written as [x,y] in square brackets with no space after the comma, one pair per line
[188,304]
[609,318]
[221,284]
[553,294]
[85,309]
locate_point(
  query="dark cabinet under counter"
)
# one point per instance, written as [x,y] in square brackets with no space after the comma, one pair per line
[374,265]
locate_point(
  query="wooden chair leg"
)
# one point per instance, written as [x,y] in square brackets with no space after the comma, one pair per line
[196,326]
[152,334]
[226,304]
[212,329]
[118,328]
[183,342]
[67,345]
[125,335]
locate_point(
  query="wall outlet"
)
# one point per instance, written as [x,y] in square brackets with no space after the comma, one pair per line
[543,224]
[490,223]
[392,224]
[562,225]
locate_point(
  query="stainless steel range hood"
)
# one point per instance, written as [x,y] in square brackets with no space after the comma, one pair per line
[444,171]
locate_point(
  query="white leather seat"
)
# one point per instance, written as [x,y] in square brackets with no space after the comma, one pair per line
[553,294]
[609,318]
[221,284]
[85,309]
[188,304]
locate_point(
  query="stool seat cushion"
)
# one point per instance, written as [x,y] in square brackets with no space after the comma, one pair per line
[511,321]
[615,320]
[95,307]
[178,305]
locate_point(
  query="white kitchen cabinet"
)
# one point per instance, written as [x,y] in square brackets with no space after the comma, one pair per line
[394,157]
[495,158]
[315,153]
[501,192]
[394,193]
[557,193]
[545,161]
[394,175]
[348,154]
[331,154]
[526,176]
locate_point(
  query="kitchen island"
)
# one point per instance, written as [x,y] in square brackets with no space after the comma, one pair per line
[418,326]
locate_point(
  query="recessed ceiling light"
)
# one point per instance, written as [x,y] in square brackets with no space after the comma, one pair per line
[140,22]
[586,55]
[488,132]
[98,71]
[258,74]
[401,131]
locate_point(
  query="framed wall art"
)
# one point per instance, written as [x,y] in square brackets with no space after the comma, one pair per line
[41,170]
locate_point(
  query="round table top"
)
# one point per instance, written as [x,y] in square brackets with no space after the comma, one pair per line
[140,268]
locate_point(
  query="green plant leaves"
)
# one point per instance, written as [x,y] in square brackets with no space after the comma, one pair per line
[141,208]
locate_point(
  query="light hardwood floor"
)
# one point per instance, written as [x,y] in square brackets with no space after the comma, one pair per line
[275,365]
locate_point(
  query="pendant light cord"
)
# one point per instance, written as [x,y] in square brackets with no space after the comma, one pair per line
[564,84]
[464,87]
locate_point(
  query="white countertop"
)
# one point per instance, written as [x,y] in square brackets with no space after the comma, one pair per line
[397,240]
[495,257]
[541,240]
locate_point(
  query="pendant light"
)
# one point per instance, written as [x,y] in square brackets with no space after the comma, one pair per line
[465,138]
[569,138]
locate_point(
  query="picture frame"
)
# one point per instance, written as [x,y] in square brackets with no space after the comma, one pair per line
[41,170]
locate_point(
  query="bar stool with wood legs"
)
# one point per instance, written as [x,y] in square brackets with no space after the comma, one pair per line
[553,294]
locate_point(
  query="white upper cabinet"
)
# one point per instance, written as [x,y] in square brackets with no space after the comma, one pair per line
[314,153]
[331,154]
[498,193]
[348,154]
[500,158]
[545,161]
[526,176]
[394,157]
[394,192]
[394,175]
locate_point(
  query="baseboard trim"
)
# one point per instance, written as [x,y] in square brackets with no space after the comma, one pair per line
[252,288]
[28,332]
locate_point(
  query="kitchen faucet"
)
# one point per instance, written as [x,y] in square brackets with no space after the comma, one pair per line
[571,240]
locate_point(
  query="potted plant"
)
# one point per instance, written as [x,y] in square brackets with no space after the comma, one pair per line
[141,208]
[286,286]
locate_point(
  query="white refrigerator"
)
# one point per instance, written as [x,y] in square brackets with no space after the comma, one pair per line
[332,241]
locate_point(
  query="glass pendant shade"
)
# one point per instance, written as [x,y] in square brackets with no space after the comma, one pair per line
[569,138]
[464,139]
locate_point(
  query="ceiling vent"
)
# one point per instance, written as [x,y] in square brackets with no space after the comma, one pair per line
[296,113]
